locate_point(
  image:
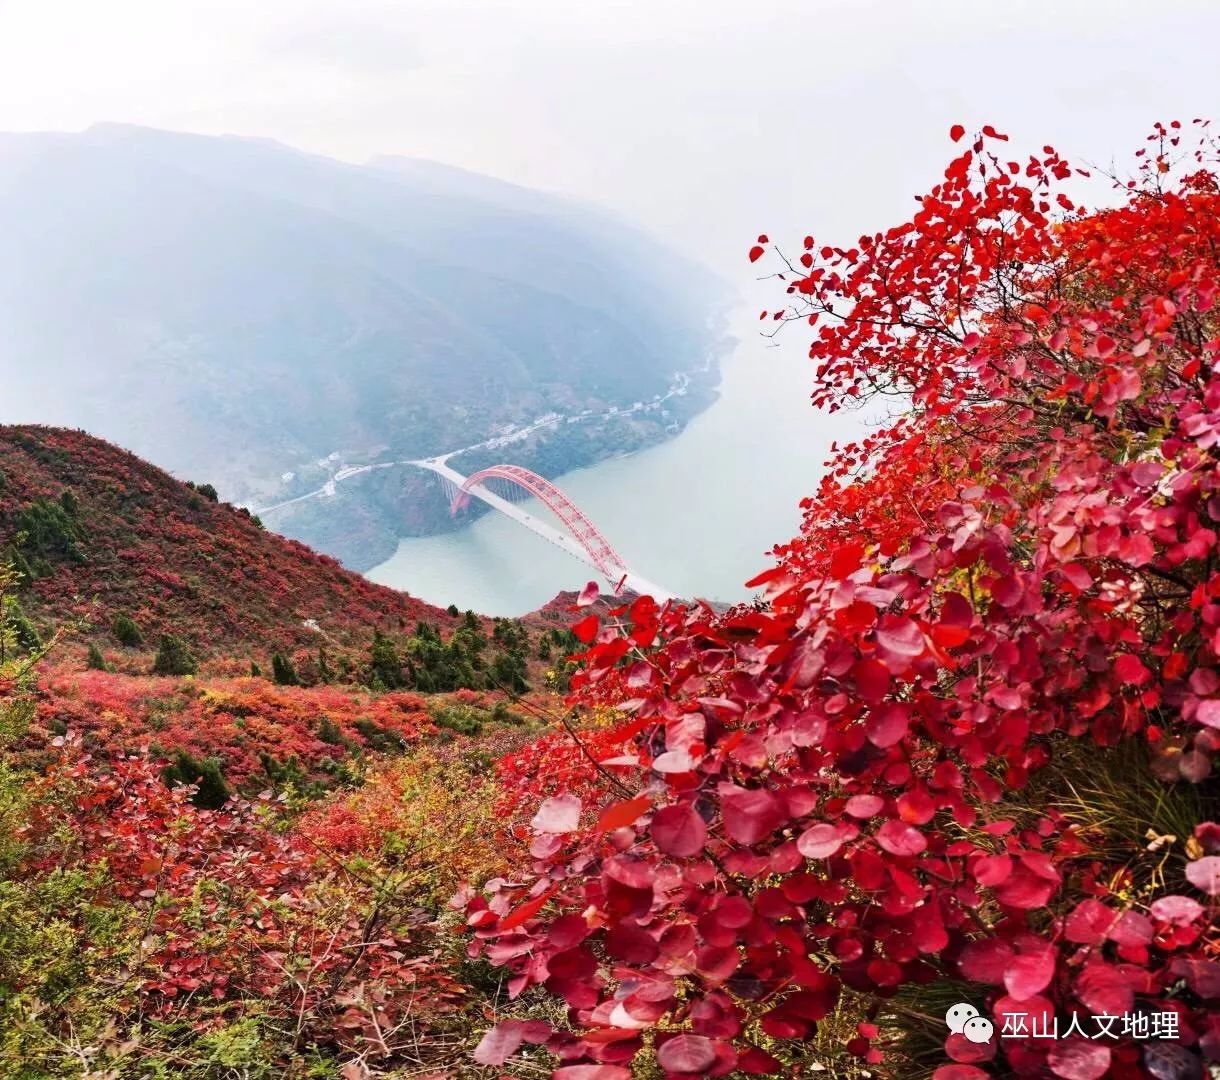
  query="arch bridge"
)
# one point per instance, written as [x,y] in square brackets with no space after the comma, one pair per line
[579,537]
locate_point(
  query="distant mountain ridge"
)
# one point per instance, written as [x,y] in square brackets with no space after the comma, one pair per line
[231,308]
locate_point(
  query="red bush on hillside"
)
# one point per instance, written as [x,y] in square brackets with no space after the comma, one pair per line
[247,724]
[888,784]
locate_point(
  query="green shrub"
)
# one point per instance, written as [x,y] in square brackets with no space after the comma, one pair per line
[211,791]
[385,667]
[15,626]
[462,719]
[48,531]
[206,490]
[377,737]
[126,632]
[283,671]
[95,661]
[174,657]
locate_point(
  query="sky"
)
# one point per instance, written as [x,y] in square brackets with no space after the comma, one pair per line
[706,121]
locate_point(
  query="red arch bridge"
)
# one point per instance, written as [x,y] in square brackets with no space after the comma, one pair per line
[502,485]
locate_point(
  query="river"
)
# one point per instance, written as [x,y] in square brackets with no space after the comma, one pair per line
[696,514]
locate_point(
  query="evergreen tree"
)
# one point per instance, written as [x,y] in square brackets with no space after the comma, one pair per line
[95,660]
[15,620]
[126,632]
[385,668]
[211,791]
[283,671]
[174,657]
[48,532]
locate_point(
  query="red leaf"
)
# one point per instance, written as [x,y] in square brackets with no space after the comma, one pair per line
[678,830]
[619,814]
[687,1054]
[524,912]
[1079,1059]
[984,961]
[591,1072]
[887,724]
[1102,989]
[1130,669]
[757,1062]
[956,132]
[898,838]
[558,814]
[750,814]
[1204,874]
[900,636]
[500,1043]
[819,842]
[961,1049]
[864,806]
[1176,910]
[1030,973]
[992,870]
[1208,712]
[1089,923]
[872,679]
[756,253]
[586,629]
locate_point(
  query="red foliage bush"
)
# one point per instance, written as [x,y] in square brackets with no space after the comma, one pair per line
[554,764]
[230,905]
[236,720]
[829,790]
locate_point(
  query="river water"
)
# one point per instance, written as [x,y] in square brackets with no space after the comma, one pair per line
[696,514]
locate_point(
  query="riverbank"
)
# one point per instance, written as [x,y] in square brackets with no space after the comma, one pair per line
[358,510]
[696,513]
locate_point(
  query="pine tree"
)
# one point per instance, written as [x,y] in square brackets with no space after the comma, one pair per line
[211,791]
[126,632]
[283,671]
[385,668]
[174,657]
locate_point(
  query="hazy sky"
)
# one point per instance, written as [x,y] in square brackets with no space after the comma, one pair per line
[706,121]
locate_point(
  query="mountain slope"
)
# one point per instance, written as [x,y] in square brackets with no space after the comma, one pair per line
[236,309]
[103,534]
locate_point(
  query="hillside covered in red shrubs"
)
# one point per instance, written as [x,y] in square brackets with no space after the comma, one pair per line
[124,538]
[238,783]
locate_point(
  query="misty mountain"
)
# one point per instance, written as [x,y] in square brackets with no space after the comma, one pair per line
[230,308]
